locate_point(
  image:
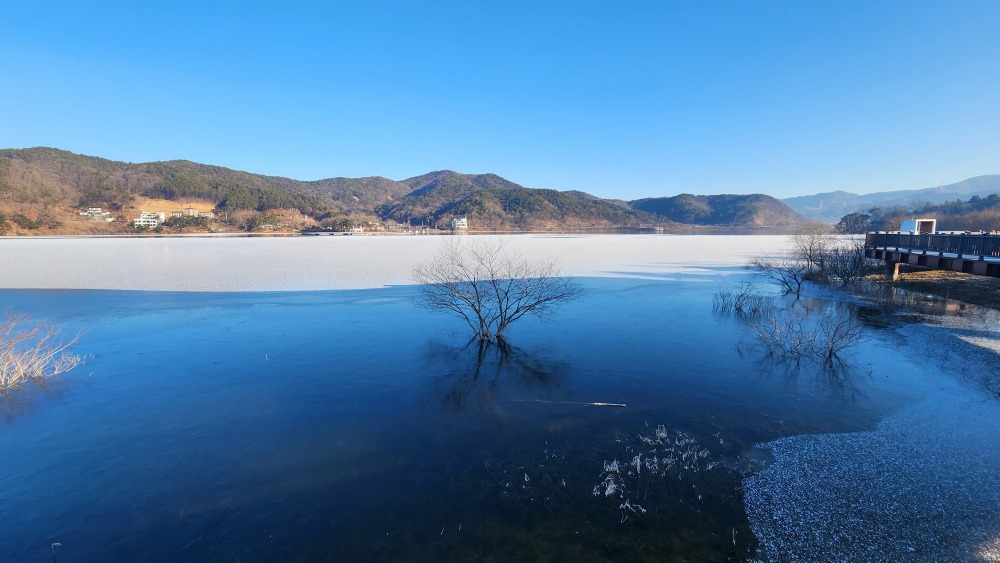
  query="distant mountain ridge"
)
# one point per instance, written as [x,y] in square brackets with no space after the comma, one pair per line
[831,206]
[492,202]
[755,209]
[42,188]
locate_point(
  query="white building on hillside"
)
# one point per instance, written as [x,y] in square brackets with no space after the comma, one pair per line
[149,219]
[460,224]
[192,212]
[97,214]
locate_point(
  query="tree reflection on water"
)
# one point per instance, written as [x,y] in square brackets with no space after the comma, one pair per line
[479,375]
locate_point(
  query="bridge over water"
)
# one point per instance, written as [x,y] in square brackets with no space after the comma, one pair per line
[972,253]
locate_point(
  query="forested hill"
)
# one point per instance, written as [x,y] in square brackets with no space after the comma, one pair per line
[44,189]
[975,214]
[491,202]
[754,210]
[359,196]
[52,177]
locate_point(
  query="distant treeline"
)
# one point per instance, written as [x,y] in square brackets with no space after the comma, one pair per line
[975,214]
[230,190]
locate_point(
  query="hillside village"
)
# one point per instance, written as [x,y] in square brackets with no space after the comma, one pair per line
[146,219]
[153,220]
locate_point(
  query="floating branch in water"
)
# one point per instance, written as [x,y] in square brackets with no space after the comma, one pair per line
[582,404]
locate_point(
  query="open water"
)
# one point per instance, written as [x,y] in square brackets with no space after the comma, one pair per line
[353,425]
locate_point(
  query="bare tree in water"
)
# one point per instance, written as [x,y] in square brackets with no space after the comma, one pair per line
[786,270]
[490,288]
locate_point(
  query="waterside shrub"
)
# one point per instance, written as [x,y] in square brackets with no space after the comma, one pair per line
[32,352]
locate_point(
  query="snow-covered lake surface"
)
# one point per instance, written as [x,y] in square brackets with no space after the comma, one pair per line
[234,408]
[345,262]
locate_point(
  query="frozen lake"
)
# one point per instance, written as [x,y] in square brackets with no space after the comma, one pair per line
[346,262]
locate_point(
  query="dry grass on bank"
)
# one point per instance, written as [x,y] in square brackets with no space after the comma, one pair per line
[31,352]
[168,205]
[967,288]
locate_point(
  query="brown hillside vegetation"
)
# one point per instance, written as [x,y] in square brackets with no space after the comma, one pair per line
[967,288]
[43,191]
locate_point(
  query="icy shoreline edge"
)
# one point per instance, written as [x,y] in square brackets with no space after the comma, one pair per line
[923,486]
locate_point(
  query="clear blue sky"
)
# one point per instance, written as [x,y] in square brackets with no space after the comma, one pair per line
[619,99]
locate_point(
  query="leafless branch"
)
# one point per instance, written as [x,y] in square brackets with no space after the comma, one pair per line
[31,353]
[789,272]
[847,261]
[742,300]
[790,335]
[489,288]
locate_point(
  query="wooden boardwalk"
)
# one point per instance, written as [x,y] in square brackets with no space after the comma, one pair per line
[972,253]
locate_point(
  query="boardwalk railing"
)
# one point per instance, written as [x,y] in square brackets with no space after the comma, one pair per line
[961,252]
[968,245]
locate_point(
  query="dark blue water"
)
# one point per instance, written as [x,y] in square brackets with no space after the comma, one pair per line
[352,425]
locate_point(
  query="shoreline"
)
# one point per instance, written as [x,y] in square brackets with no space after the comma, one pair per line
[706,231]
[878,495]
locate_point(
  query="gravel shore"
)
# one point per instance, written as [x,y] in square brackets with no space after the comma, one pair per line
[923,486]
